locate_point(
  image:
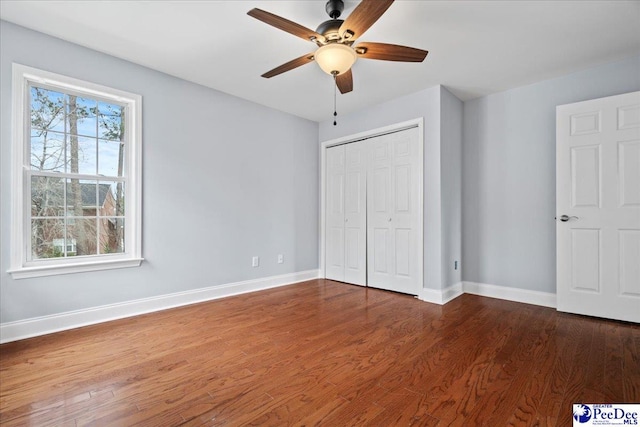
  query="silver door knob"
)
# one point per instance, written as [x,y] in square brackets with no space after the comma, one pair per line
[565,218]
[389,219]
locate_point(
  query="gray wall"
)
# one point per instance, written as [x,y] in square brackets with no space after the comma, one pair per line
[508,192]
[223,179]
[425,104]
[451,109]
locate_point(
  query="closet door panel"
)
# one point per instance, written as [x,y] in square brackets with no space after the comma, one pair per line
[346,214]
[407,217]
[355,271]
[380,215]
[394,214]
[334,215]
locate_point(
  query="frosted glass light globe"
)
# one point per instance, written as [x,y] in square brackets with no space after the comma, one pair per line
[335,58]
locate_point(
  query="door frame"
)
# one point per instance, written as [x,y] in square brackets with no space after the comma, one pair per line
[368,134]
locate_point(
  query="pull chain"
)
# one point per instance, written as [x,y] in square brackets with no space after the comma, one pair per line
[335,92]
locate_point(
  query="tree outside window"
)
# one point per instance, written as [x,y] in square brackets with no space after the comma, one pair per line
[77,151]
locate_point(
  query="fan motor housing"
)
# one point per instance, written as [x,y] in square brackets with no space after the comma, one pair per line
[330,29]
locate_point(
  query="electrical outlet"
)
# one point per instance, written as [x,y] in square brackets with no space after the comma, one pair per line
[280,259]
[255,261]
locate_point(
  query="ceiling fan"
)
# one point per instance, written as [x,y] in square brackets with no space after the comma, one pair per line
[335,38]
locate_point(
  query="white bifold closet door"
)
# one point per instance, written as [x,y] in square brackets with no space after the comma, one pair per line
[373,212]
[346,213]
[394,213]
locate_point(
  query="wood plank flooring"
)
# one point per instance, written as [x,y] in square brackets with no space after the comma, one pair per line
[323,353]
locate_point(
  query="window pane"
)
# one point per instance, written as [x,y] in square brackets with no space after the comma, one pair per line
[113,200]
[85,155]
[111,235]
[47,196]
[84,233]
[81,116]
[47,109]
[43,234]
[111,121]
[81,155]
[47,151]
[111,158]
[82,197]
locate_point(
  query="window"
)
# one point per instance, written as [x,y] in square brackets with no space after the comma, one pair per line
[76,175]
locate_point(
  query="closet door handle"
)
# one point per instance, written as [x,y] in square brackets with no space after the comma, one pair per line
[389,219]
[346,220]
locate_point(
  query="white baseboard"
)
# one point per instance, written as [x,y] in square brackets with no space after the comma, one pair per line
[526,296]
[13,331]
[441,296]
[501,292]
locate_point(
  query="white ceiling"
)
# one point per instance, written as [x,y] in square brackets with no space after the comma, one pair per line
[475,47]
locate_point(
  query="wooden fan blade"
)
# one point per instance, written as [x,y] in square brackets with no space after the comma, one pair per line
[364,16]
[345,82]
[390,52]
[305,59]
[285,25]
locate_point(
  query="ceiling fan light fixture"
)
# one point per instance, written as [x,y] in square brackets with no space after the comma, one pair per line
[335,58]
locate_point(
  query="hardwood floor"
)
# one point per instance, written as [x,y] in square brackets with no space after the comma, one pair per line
[323,353]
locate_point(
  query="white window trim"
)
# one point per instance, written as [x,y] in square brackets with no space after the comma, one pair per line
[132,257]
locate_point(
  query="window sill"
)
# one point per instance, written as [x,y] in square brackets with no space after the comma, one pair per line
[52,270]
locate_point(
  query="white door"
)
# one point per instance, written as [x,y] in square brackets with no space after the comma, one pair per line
[346,213]
[335,162]
[355,203]
[598,207]
[394,212]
